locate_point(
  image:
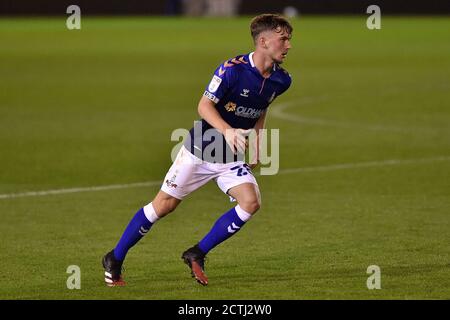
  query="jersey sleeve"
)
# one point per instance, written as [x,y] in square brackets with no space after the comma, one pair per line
[222,81]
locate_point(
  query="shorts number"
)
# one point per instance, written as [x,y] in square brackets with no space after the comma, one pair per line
[242,170]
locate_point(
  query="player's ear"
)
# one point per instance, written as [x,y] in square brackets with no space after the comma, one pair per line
[262,41]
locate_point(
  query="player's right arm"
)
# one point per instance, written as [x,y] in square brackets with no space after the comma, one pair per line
[234,137]
[223,80]
[209,113]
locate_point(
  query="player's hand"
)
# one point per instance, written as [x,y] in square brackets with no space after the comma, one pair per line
[236,139]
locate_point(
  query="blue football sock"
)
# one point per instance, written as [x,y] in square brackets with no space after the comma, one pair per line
[136,229]
[226,226]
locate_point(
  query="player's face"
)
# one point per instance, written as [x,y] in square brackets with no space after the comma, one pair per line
[277,44]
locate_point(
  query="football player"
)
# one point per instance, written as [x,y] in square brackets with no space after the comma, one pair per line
[234,102]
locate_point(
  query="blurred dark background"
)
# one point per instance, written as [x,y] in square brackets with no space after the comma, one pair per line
[221,7]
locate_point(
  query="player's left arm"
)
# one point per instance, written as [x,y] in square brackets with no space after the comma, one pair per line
[260,124]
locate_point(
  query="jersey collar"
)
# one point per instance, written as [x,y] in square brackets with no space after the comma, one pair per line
[250,58]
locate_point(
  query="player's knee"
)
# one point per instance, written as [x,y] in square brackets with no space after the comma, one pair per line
[164,206]
[251,206]
[255,206]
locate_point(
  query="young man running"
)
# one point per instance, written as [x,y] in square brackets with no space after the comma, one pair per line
[235,102]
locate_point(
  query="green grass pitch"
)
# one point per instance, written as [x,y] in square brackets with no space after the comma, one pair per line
[368,115]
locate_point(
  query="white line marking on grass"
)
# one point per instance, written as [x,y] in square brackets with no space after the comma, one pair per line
[279,112]
[368,164]
[332,167]
[77,190]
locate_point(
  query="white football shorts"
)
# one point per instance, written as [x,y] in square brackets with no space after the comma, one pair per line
[188,173]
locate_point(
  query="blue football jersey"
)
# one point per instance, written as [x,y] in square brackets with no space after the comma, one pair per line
[241,95]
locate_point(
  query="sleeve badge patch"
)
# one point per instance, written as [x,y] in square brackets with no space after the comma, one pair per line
[214,84]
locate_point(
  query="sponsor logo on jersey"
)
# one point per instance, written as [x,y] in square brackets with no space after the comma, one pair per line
[214,84]
[245,93]
[248,112]
[242,111]
[210,96]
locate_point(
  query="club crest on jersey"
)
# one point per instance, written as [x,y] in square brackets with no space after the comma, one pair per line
[230,106]
[214,84]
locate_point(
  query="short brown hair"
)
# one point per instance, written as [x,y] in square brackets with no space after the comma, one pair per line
[269,21]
